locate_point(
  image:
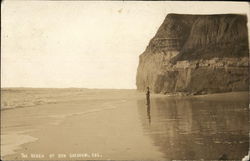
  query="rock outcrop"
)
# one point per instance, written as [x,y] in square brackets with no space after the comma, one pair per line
[196,54]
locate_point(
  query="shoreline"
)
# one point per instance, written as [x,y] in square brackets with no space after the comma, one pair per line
[177,94]
[184,94]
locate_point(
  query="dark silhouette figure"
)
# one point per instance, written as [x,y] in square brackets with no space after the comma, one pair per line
[148,96]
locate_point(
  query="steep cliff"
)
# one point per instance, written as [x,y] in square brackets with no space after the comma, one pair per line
[196,54]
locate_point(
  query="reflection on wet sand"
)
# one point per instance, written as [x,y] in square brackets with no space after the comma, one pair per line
[148,113]
[197,128]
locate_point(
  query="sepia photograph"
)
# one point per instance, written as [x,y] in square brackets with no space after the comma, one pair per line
[124,80]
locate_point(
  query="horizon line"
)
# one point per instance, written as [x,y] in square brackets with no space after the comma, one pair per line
[67,88]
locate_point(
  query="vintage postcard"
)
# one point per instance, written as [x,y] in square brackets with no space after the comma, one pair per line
[124,80]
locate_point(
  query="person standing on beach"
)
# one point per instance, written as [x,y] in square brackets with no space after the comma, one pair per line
[148,96]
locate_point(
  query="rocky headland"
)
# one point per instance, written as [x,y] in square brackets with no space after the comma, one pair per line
[196,54]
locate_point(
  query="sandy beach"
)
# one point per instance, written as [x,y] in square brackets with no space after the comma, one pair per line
[117,125]
[124,80]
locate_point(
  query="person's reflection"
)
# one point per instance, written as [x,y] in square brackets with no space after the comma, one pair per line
[148,112]
[148,96]
[148,105]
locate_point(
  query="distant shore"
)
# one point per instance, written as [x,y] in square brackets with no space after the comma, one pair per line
[200,93]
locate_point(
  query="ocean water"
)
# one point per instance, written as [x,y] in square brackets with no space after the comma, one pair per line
[118,124]
[25,97]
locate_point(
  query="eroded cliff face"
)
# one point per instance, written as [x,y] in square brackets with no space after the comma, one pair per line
[196,54]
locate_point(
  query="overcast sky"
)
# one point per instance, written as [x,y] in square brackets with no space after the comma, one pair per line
[84,44]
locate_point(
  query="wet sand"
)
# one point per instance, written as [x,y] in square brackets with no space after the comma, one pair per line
[118,125]
[95,129]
